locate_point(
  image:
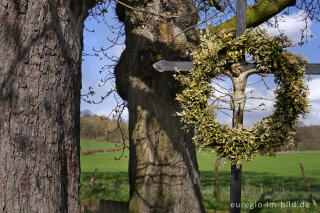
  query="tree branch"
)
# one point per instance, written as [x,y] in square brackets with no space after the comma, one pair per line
[258,13]
[215,3]
[144,11]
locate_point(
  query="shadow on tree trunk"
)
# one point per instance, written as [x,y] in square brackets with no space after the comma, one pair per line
[163,169]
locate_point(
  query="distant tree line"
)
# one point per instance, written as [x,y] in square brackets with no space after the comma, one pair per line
[94,127]
[308,138]
[100,128]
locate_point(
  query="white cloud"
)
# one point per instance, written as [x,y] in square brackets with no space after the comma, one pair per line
[109,112]
[259,103]
[254,93]
[117,50]
[291,25]
[313,117]
[314,87]
[259,96]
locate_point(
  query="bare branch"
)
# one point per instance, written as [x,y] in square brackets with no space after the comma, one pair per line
[147,12]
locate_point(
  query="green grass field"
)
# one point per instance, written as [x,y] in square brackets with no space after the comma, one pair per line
[266,180]
[91,145]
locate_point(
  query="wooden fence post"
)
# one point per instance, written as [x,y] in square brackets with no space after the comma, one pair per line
[307,185]
[93,176]
[217,191]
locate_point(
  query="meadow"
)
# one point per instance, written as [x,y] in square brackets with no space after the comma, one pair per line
[92,145]
[274,182]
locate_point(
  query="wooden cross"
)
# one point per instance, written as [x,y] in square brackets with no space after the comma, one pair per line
[185,66]
[238,97]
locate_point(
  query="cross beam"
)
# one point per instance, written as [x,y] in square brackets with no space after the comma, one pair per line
[184,66]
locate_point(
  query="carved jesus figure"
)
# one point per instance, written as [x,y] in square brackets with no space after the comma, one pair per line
[239,78]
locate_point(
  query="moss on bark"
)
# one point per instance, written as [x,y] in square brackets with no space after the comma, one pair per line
[258,13]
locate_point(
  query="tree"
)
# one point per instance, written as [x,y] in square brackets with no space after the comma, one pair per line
[85,113]
[103,129]
[40,81]
[163,170]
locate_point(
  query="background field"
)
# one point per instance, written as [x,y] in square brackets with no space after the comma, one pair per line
[92,145]
[265,180]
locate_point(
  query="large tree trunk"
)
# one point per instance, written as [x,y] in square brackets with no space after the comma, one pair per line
[163,169]
[40,82]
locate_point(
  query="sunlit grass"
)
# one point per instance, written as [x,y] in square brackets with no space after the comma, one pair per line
[92,145]
[265,180]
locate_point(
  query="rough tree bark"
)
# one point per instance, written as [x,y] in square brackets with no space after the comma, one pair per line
[40,81]
[163,170]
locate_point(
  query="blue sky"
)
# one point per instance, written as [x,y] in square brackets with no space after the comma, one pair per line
[291,26]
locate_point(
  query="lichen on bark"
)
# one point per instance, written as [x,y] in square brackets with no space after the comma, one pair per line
[258,13]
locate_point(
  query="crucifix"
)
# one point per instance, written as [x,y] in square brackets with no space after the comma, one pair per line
[239,74]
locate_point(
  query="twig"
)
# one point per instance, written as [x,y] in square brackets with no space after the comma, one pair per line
[147,12]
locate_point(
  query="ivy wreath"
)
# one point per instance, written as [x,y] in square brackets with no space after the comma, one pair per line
[214,56]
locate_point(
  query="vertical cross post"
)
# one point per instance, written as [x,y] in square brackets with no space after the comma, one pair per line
[236,173]
[241,17]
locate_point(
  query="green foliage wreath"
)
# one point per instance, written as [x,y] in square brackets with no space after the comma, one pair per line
[214,56]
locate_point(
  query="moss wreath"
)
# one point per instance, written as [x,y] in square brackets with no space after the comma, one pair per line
[214,55]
